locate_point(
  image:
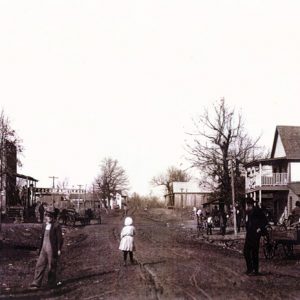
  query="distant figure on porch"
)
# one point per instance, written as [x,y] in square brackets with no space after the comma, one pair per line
[23,195]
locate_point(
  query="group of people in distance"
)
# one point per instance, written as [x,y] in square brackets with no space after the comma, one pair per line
[207,220]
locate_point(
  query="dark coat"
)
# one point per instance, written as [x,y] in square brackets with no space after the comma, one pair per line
[41,209]
[255,225]
[56,238]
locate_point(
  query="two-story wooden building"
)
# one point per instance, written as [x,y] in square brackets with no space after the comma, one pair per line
[275,182]
[187,194]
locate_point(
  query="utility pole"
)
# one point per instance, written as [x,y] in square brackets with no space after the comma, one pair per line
[53,186]
[53,181]
[84,199]
[94,197]
[79,185]
[233,198]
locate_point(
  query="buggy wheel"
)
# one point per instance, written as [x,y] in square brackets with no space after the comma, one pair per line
[269,250]
[282,227]
[268,245]
[288,250]
[70,221]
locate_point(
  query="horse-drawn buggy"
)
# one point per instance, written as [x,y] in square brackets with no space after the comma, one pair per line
[283,238]
[69,217]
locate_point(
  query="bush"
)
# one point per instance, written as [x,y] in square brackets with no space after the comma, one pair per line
[144,201]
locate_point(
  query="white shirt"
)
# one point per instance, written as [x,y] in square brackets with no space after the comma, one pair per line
[48,226]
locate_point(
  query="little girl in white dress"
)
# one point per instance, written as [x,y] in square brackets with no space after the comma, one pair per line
[127,240]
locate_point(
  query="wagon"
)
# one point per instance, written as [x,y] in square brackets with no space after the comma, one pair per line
[93,215]
[69,217]
[281,237]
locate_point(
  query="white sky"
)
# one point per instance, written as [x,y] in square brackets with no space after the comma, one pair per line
[82,80]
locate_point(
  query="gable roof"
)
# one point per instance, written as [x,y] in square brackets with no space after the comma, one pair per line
[290,137]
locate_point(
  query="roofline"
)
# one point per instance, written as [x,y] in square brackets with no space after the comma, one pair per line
[25,177]
[274,141]
[264,160]
[271,161]
[184,193]
[276,137]
[215,201]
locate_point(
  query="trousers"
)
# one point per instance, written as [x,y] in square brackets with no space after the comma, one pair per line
[45,261]
[251,254]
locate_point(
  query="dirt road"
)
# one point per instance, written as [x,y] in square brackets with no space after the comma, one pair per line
[171,264]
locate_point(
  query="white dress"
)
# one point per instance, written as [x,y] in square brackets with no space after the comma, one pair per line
[127,240]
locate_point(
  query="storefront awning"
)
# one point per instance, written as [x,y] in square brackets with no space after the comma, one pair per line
[26,177]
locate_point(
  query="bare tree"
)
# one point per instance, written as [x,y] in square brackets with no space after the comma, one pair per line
[172,174]
[111,180]
[137,201]
[220,140]
[10,145]
[62,184]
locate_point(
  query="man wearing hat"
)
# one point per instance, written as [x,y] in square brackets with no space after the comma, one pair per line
[256,222]
[50,250]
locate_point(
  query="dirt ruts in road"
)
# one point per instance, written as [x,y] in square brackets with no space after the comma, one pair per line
[194,269]
[170,264]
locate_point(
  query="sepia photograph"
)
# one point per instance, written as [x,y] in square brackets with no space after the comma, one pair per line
[150,150]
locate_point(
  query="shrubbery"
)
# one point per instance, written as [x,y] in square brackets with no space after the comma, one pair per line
[145,201]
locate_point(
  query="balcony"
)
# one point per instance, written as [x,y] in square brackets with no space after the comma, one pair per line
[272,180]
[275,179]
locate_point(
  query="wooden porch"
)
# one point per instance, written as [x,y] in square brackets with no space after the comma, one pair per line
[272,180]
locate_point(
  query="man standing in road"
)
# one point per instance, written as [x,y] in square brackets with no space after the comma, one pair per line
[256,222]
[41,212]
[125,209]
[50,251]
[223,221]
[238,218]
[209,224]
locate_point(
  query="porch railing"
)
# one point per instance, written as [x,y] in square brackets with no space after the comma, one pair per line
[275,179]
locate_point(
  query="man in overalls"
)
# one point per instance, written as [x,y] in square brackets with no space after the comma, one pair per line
[50,250]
